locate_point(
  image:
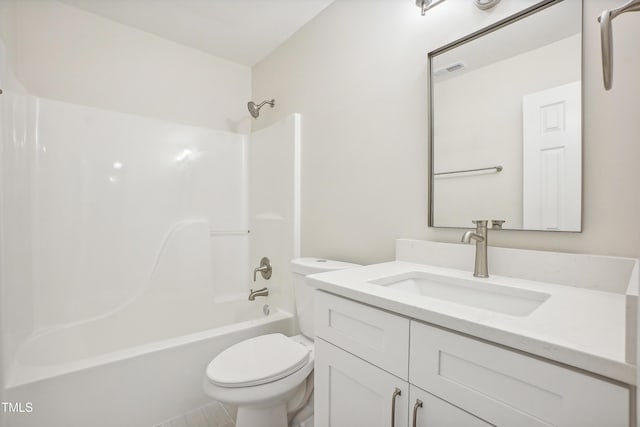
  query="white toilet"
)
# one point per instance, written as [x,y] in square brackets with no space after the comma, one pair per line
[270,377]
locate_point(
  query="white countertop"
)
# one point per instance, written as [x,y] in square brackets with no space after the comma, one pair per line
[582,328]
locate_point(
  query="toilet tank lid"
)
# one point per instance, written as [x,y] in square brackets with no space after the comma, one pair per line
[311,265]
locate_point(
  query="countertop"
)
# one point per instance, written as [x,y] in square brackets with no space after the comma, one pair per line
[582,328]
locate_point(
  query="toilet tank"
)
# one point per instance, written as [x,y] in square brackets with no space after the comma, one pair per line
[302,267]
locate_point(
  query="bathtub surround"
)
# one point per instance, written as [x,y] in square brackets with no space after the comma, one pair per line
[3,73]
[119,221]
[274,211]
[139,257]
[144,195]
[365,156]
[15,264]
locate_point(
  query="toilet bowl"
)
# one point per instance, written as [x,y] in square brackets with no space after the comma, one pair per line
[270,377]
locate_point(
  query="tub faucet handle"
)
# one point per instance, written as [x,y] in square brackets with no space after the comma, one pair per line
[264,269]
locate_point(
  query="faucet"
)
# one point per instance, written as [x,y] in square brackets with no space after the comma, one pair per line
[264,269]
[480,236]
[259,293]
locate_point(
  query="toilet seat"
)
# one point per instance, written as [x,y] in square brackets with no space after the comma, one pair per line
[256,361]
[268,393]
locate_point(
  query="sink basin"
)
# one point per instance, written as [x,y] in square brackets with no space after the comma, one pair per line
[478,294]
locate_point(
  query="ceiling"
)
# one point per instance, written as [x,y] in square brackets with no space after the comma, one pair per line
[243,31]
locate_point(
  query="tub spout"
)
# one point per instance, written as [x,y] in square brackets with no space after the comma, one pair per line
[259,293]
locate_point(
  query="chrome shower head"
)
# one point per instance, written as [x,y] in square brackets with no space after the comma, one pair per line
[254,109]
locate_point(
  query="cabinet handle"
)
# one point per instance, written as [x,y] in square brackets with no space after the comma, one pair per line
[415,411]
[397,392]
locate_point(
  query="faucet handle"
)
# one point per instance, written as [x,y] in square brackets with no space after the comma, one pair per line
[264,269]
[480,222]
[496,224]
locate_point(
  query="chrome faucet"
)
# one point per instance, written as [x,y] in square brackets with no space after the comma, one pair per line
[480,236]
[259,293]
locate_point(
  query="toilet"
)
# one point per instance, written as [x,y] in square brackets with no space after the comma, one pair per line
[270,377]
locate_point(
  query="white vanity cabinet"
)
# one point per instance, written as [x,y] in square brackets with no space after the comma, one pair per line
[370,364]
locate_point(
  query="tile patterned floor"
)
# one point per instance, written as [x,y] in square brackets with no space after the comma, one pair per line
[212,415]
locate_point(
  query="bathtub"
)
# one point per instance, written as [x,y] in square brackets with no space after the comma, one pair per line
[129,372]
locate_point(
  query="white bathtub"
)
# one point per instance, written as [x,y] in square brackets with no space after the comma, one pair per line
[129,372]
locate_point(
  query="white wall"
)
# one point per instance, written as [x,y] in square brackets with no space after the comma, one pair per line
[64,53]
[479,124]
[357,73]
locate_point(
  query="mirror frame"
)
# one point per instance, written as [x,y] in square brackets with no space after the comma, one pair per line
[477,34]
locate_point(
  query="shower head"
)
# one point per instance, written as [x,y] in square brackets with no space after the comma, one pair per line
[254,109]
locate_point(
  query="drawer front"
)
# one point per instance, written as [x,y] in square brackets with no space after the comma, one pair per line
[379,337]
[504,387]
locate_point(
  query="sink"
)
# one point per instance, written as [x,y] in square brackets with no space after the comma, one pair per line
[479,294]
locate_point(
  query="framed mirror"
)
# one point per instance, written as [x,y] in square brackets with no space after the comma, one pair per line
[505,137]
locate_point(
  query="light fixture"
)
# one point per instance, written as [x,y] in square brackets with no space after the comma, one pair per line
[486,4]
[425,5]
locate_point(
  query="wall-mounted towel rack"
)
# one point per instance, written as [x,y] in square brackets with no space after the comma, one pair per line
[496,168]
[606,37]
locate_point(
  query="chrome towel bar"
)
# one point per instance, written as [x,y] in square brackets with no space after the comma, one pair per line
[497,169]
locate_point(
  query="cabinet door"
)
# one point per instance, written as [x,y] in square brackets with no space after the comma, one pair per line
[428,410]
[507,388]
[350,392]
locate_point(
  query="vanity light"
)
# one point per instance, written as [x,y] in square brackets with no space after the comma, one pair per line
[486,4]
[425,5]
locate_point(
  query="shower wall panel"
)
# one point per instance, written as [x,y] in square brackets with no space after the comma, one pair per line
[111,214]
[274,186]
[16,239]
[113,192]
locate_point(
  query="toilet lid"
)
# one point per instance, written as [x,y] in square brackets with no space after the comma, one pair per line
[258,360]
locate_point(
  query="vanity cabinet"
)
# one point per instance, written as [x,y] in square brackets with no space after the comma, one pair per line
[352,392]
[370,364]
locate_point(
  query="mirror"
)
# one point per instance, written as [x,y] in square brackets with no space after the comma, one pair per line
[506,123]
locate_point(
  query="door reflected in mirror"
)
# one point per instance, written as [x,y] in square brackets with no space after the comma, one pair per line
[506,123]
